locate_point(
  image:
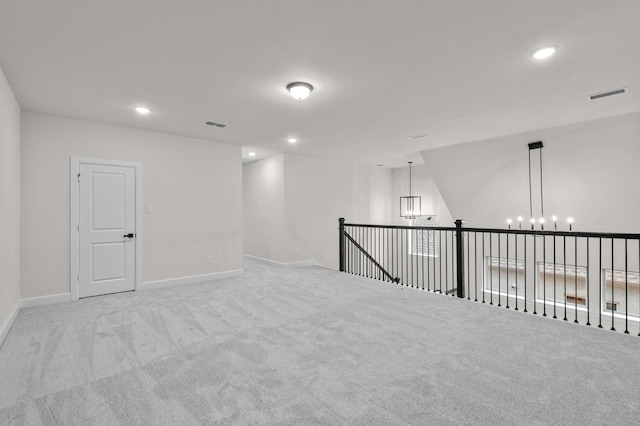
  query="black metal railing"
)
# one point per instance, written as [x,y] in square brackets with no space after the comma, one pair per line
[582,277]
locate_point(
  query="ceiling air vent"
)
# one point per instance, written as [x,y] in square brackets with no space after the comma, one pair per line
[215,124]
[418,136]
[609,93]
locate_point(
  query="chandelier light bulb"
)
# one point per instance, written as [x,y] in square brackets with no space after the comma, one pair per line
[299,90]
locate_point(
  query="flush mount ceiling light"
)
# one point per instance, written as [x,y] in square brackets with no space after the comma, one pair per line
[544,52]
[299,90]
[292,140]
[252,154]
[142,110]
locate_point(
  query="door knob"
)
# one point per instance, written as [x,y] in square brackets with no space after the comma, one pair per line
[129,235]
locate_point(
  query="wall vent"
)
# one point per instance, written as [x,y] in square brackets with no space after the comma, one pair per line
[215,124]
[609,93]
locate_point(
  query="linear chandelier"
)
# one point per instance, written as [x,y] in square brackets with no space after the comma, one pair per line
[538,145]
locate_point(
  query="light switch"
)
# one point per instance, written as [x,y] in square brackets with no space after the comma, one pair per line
[147,209]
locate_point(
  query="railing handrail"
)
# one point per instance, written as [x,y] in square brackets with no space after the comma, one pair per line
[615,235]
[432,228]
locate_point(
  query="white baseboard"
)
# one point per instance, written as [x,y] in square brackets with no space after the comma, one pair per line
[29,303]
[298,264]
[9,322]
[194,279]
[45,300]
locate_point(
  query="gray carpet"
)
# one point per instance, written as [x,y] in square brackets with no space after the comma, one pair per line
[309,346]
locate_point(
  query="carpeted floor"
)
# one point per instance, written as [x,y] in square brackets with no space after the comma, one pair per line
[309,346]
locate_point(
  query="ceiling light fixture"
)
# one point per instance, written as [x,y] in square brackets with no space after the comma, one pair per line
[142,110]
[410,205]
[544,52]
[299,90]
[537,146]
[252,154]
[292,140]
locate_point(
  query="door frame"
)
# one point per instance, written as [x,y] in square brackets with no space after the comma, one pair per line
[74,213]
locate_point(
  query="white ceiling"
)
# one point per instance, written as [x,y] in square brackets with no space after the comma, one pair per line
[459,70]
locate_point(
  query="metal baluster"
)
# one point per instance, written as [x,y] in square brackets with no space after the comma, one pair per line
[490,268]
[499,269]
[536,275]
[564,260]
[440,261]
[422,257]
[413,254]
[429,241]
[468,266]
[446,261]
[626,288]
[436,252]
[507,283]
[613,299]
[554,278]
[575,278]
[516,269]
[397,251]
[600,283]
[524,239]
[484,283]
[348,244]
[475,266]
[405,260]
[588,287]
[390,250]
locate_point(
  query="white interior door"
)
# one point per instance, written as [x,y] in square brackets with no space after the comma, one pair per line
[107,234]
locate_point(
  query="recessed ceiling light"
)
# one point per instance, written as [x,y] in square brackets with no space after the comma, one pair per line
[544,52]
[292,140]
[142,110]
[299,90]
[252,154]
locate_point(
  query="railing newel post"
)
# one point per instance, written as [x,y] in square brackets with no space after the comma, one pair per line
[342,245]
[459,259]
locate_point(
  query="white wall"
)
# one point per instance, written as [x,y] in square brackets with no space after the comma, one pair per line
[314,193]
[263,208]
[9,202]
[591,173]
[422,184]
[194,187]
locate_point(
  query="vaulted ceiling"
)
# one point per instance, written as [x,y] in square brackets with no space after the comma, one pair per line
[382,71]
